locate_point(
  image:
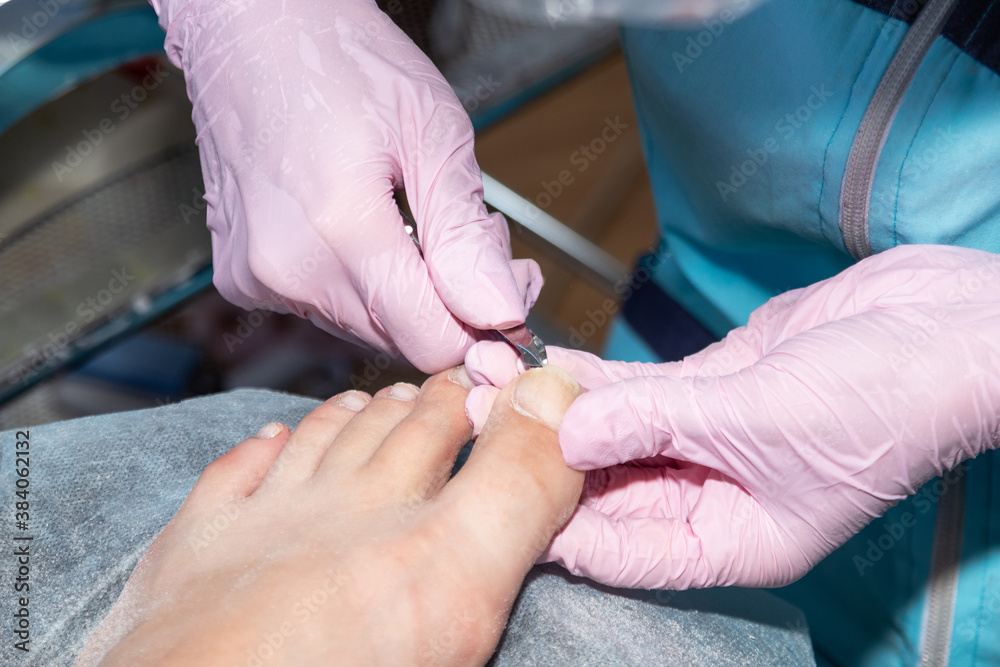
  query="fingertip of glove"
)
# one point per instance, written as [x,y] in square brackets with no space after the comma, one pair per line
[491,362]
[475,365]
[583,434]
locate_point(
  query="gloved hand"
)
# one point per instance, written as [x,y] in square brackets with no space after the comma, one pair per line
[310,113]
[747,463]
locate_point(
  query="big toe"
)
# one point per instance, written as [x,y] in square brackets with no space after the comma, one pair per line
[516,490]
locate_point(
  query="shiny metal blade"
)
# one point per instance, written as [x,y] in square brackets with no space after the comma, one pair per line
[530,346]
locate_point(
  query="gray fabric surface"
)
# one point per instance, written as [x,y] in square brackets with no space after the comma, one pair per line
[564,620]
[101,488]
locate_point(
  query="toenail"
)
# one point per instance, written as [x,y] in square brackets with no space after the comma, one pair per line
[403,391]
[459,376]
[270,430]
[355,401]
[544,394]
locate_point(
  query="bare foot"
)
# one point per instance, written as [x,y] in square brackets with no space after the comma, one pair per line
[345,542]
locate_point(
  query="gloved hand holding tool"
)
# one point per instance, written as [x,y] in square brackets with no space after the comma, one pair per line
[310,114]
[747,463]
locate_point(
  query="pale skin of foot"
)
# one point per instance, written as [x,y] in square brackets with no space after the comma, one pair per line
[345,541]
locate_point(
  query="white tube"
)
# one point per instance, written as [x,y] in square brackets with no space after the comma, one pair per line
[674,12]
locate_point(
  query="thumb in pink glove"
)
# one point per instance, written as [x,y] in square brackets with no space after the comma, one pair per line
[310,114]
[749,462]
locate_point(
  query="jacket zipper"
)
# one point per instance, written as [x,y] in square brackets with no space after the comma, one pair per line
[942,583]
[859,174]
[855,199]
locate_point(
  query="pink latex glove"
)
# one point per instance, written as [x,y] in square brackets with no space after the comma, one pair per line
[747,463]
[310,113]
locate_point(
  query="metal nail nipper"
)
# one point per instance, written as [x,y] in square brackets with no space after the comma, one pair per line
[521,338]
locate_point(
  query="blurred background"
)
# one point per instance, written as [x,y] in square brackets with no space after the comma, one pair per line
[106,302]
